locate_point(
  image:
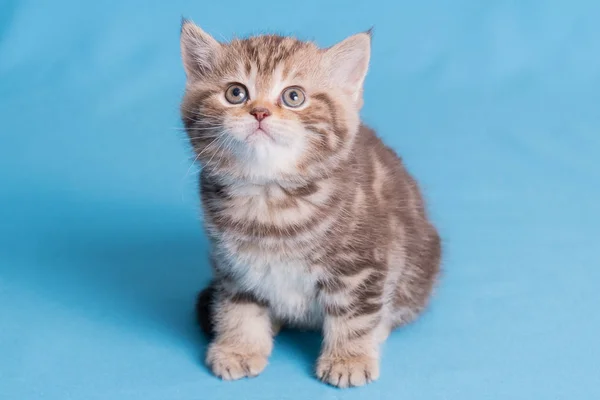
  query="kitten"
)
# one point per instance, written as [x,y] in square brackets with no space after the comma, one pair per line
[313,221]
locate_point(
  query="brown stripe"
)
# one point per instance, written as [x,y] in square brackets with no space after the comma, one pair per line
[339,131]
[261,230]
[190,108]
[303,191]
[215,207]
[283,204]
[331,285]
[365,308]
[336,311]
[247,298]
[357,334]
[359,307]
[371,287]
[349,268]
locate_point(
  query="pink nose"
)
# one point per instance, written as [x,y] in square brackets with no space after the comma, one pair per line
[260,113]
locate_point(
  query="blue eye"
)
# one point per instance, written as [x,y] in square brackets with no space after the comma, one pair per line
[293,97]
[236,93]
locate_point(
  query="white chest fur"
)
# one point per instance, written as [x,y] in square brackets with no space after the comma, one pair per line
[290,288]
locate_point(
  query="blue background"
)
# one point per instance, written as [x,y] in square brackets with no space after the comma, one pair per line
[493,104]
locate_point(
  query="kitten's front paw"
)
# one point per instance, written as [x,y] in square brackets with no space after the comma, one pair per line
[347,371]
[233,363]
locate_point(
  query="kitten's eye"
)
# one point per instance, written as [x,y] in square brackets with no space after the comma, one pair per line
[293,97]
[236,93]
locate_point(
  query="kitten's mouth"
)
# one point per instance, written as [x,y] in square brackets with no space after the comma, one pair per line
[259,133]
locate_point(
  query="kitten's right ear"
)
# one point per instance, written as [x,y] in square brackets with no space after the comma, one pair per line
[347,63]
[199,50]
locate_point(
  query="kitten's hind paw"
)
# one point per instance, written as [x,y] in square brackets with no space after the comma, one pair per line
[229,364]
[347,371]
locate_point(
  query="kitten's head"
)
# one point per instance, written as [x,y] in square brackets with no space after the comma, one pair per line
[271,108]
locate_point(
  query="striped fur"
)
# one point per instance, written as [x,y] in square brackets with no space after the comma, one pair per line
[313,224]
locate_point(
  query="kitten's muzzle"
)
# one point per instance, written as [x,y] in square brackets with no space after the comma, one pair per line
[260,113]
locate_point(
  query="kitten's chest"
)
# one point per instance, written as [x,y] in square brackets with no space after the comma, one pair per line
[289,287]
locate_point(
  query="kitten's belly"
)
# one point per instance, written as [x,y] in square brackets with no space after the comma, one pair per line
[290,288]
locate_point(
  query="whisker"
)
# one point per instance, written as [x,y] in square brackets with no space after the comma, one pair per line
[199,113]
[205,128]
[206,122]
[227,145]
[221,145]
[196,138]
[208,145]
[198,156]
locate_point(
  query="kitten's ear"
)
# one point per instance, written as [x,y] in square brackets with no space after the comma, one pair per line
[199,50]
[348,61]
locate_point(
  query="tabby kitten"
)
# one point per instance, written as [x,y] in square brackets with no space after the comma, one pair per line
[313,221]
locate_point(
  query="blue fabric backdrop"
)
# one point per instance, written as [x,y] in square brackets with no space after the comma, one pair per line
[493,104]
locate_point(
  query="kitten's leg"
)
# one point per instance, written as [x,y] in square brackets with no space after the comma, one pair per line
[353,329]
[415,285]
[243,337]
[204,304]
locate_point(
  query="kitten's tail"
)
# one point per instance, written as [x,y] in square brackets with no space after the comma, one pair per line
[204,309]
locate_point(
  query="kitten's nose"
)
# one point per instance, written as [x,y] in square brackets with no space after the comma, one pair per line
[260,113]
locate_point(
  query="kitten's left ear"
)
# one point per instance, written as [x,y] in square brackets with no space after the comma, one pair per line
[348,61]
[199,50]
